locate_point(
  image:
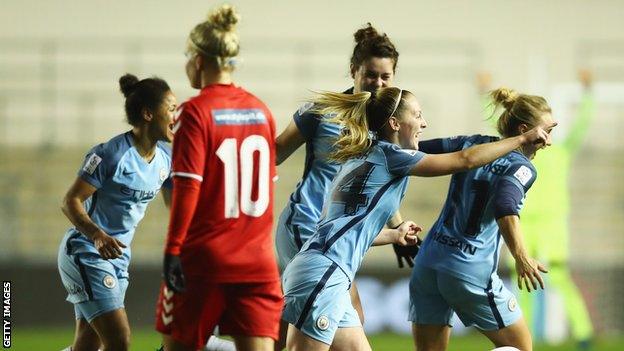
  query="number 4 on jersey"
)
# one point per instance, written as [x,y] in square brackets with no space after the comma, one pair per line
[349,190]
[229,153]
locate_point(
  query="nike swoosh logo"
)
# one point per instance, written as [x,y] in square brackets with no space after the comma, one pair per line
[126,173]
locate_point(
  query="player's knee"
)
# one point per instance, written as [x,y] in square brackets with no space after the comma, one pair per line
[86,339]
[120,342]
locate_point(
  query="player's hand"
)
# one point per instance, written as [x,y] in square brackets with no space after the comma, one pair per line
[538,135]
[407,244]
[108,247]
[585,77]
[173,274]
[528,270]
[484,81]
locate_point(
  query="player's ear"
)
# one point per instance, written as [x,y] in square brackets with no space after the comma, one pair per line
[353,69]
[523,128]
[198,62]
[394,124]
[147,114]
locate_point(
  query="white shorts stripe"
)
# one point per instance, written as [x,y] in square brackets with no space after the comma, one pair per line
[188,175]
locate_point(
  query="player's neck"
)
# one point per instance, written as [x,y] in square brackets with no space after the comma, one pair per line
[221,77]
[145,146]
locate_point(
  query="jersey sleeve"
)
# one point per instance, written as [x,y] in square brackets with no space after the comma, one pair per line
[512,188]
[168,183]
[401,161]
[306,121]
[273,168]
[452,144]
[189,146]
[99,165]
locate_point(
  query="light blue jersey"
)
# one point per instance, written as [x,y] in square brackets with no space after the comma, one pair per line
[297,222]
[125,184]
[364,195]
[465,241]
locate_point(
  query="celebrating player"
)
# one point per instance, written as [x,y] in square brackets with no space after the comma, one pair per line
[106,202]
[363,196]
[373,65]
[219,266]
[455,270]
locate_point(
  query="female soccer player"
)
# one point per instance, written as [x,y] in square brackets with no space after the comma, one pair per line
[373,64]
[364,194]
[455,270]
[219,265]
[105,204]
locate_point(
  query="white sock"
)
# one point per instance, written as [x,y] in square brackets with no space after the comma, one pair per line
[216,344]
[68,348]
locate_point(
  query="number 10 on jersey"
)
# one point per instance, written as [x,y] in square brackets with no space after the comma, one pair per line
[228,152]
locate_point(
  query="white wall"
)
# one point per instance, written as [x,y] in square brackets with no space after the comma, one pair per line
[512,35]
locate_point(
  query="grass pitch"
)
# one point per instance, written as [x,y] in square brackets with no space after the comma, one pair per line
[55,339]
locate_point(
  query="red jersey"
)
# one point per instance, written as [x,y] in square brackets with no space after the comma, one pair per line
[225,139]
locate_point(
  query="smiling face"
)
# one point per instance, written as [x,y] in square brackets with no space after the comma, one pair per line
[161,123]
[372,74]
[410,124]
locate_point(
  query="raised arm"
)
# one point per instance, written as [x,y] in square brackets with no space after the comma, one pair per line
[584,116]
[73,208]
[478,155]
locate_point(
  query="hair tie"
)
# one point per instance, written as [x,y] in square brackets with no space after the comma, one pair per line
[223,61]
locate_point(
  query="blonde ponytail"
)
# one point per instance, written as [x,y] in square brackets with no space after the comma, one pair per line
[348,111]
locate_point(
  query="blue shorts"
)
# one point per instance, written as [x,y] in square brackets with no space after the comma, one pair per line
[288,241]
[435,295]
[316,294]
[93,284]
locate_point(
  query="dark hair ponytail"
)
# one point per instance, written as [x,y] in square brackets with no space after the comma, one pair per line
[147,93]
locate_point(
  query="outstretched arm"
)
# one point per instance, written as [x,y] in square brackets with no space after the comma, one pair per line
[288,142]
[584,116]
[478,155]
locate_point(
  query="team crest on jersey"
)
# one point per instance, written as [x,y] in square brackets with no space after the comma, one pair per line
[109,281]
[523,174]
[512,304]
[322,322]
[163,174]
[91,164]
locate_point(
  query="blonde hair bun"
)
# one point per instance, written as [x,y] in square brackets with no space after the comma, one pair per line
[224,18]
[505,97]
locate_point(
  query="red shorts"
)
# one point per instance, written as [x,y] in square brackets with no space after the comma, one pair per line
[249,309]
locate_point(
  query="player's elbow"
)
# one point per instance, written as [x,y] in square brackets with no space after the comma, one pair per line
[66,205]
[467,160]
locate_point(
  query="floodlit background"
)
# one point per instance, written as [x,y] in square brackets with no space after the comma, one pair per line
[60,61]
